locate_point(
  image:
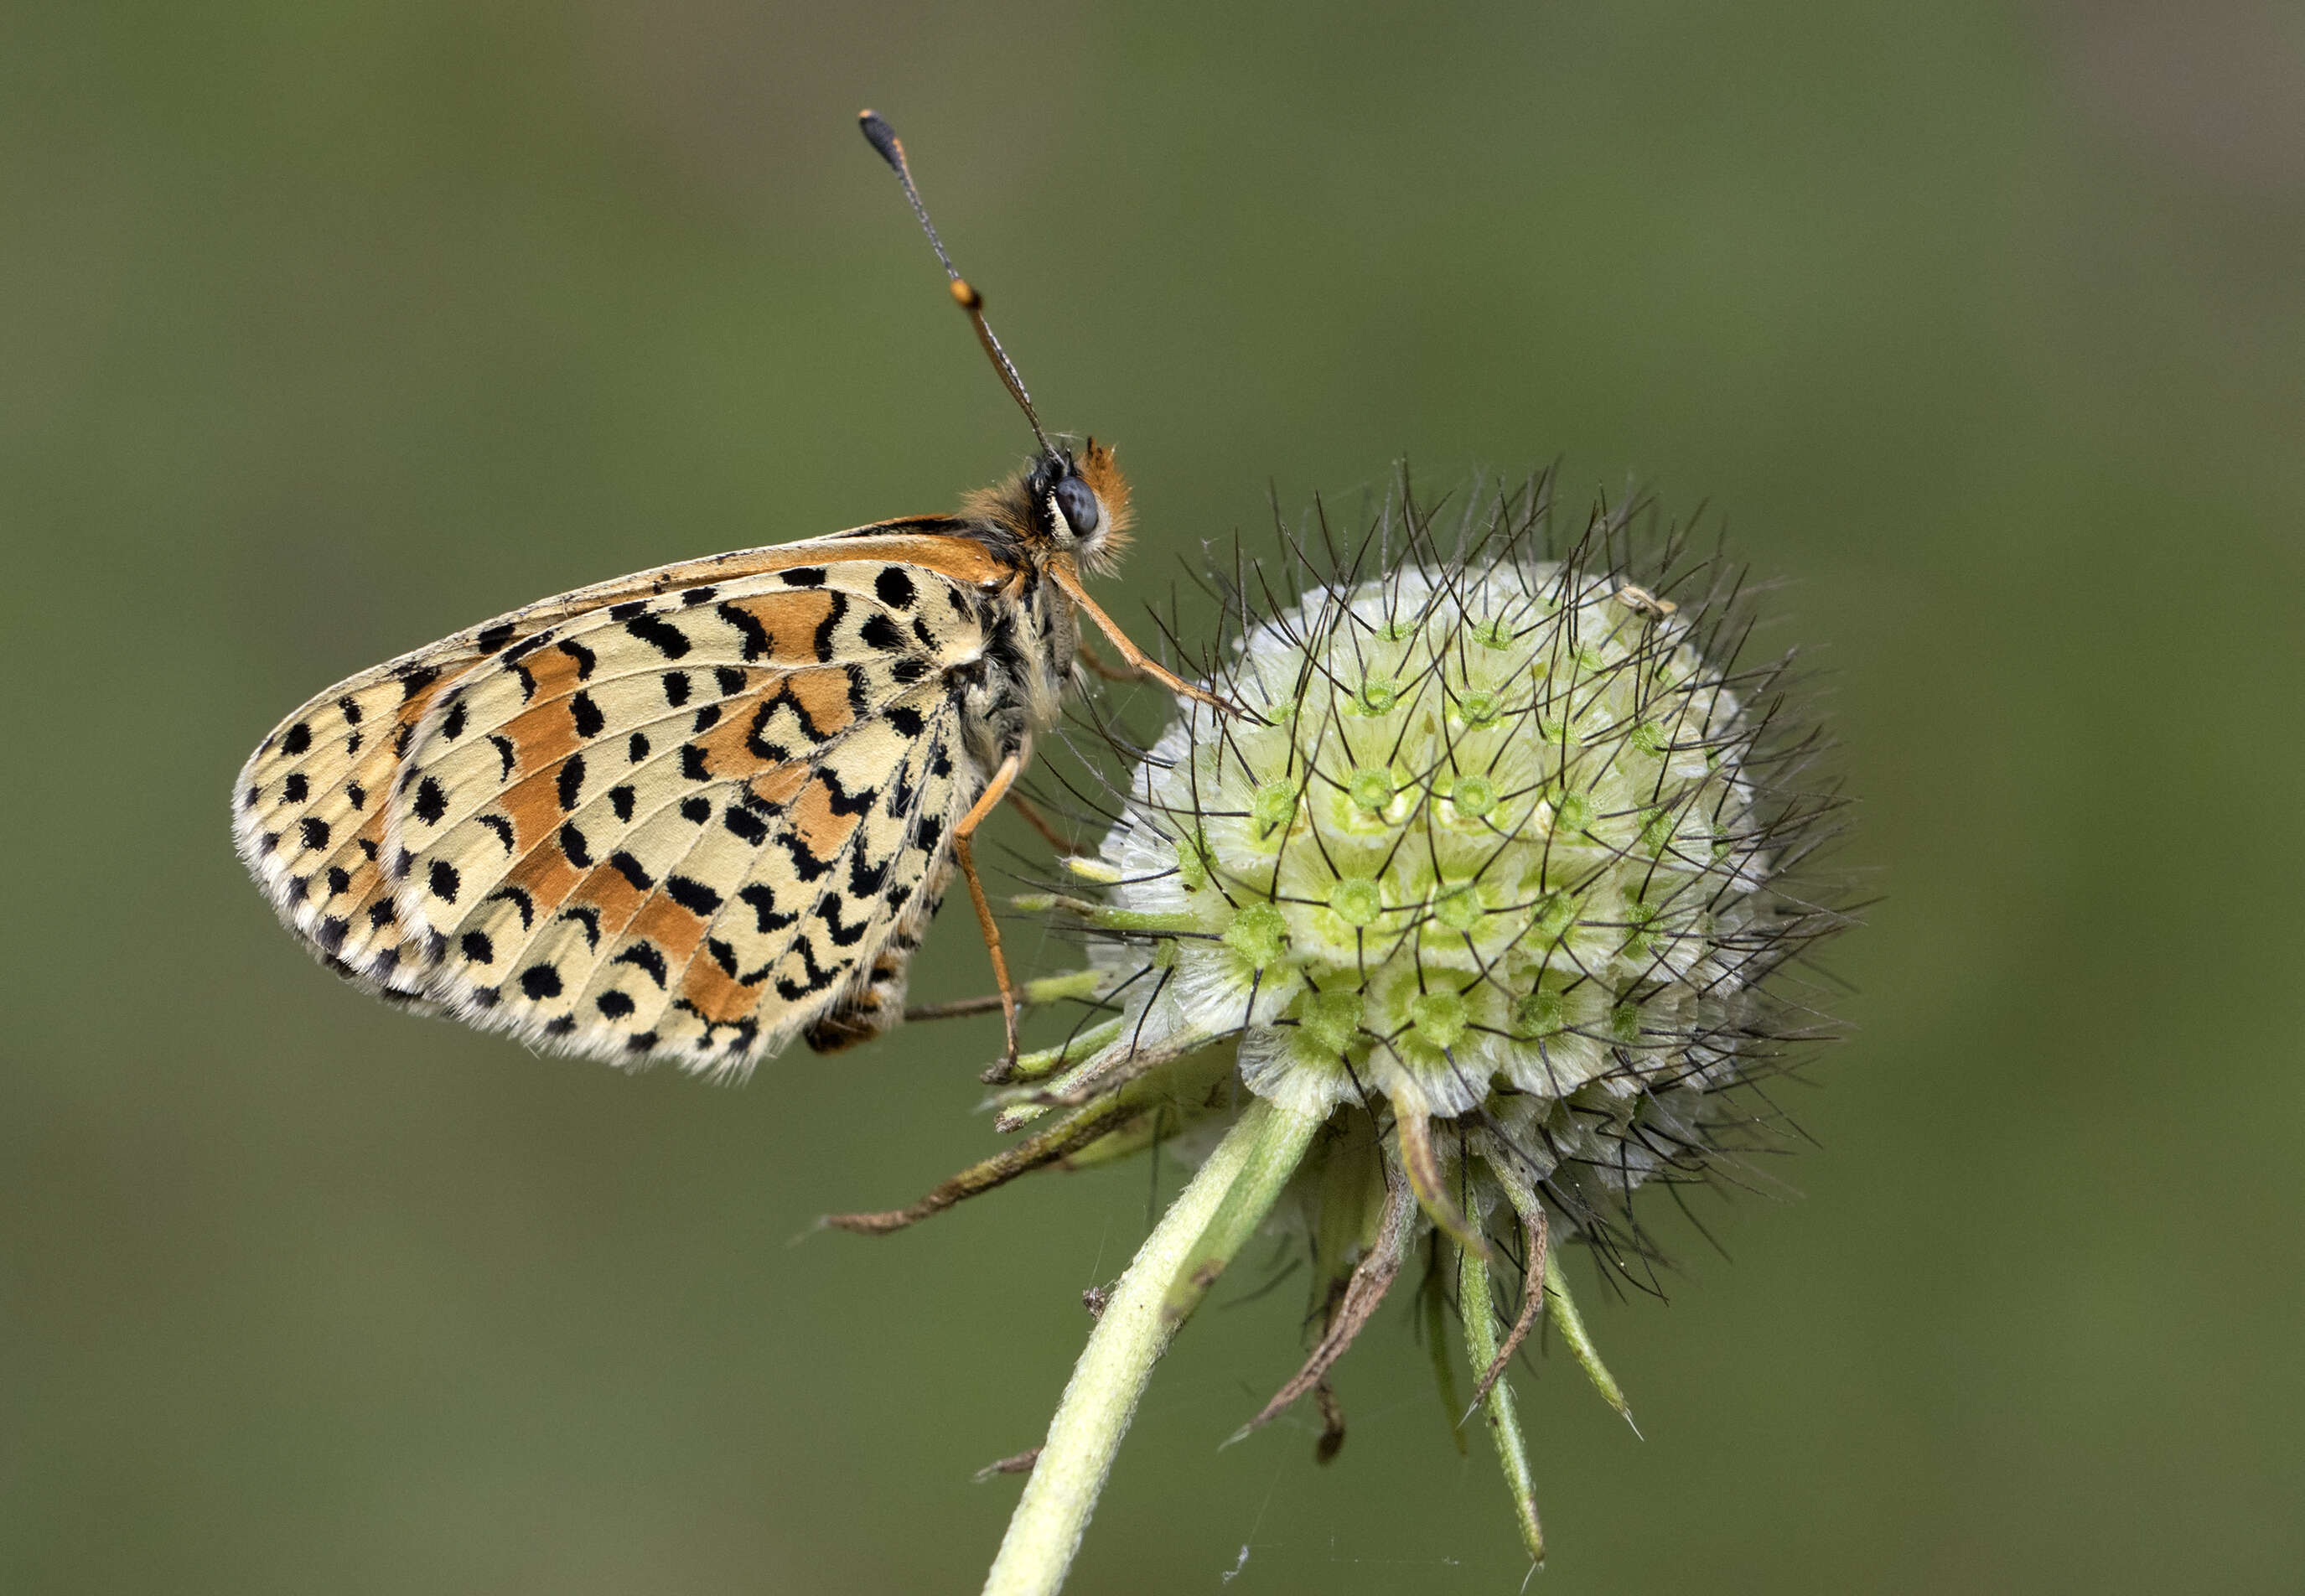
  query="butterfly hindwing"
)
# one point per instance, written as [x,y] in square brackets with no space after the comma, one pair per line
[681,825]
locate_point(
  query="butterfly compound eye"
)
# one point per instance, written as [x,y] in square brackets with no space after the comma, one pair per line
[1078,503]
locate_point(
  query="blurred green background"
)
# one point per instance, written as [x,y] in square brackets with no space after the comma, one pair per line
[326,329]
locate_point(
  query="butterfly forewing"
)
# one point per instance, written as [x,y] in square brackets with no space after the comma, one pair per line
[677,815]
[674,827]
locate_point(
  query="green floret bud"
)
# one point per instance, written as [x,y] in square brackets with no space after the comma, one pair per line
[1331,1020]
[1259,933]
[1356,903]
[1439,1018]
[1273,807]
[1371,789]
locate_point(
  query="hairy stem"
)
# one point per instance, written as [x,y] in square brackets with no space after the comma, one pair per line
[1130,1336]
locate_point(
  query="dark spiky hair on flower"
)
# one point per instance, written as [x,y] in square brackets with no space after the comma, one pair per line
[1491,912]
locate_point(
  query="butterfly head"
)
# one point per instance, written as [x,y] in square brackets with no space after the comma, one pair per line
[1068,503]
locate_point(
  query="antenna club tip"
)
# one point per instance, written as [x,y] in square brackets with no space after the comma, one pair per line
[881,136]
[965,297]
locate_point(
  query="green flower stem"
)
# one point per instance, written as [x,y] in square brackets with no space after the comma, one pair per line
[1129,1338]
[1473,1307]
[1280,1148]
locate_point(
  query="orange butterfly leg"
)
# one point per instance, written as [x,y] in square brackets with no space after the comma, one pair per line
[1067,580]
[964,850]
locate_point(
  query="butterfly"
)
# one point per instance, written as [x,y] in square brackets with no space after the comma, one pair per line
[690,814]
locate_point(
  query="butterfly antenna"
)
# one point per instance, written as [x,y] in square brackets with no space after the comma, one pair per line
[883,138]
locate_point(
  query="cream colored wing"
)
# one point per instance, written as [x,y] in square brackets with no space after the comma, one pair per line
[681,826]
[308,810]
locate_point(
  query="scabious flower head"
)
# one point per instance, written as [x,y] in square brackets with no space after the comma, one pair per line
[1475,920]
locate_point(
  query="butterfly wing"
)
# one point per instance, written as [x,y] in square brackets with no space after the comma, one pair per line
[683,826]
[310,811]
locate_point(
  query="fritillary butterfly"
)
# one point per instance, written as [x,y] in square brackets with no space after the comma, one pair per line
[691,812]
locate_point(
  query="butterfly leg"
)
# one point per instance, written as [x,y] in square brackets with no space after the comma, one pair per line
[1039,822]
[964,850]
[1061,572]
[1097,666]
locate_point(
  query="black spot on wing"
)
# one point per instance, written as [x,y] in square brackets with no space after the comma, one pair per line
[568,787]
[802,576]
[587,715]
[756,636]
[644,956]
[584,658]
[492,638]
[805,865]
[298,739]
[632,869]
[894,587]
[827,909]
[519,899]
[572,844]
[762,900]
[815,978]
[840,801]
[675,688]
[693,895]
[831,622]
[660,635]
